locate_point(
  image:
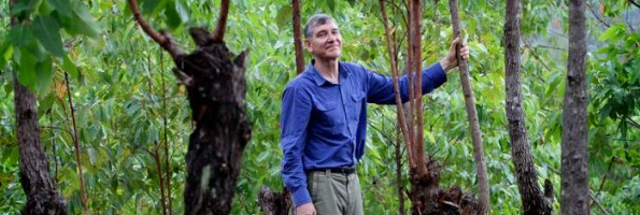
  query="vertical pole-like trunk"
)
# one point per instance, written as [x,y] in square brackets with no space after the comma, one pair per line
[42,196]
[297,32]
[533,201]
[76,146]
[575,183]
[472,115]
[398,145]
[416,55]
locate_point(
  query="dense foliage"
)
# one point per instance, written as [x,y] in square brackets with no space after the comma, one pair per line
[127,100]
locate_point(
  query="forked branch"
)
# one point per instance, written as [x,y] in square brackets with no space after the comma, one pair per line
[396,86]
[163,38]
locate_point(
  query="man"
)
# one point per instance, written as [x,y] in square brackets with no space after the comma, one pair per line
[324,116]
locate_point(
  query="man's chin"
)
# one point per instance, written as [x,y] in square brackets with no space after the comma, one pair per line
[331,57]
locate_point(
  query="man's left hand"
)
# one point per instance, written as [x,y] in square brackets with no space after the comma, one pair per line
[450,60]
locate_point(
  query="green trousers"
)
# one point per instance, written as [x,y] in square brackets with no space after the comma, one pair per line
[335,193]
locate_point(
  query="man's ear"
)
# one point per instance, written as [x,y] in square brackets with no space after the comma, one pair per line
[307,45]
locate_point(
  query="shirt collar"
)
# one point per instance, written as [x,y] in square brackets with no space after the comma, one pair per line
[318,79]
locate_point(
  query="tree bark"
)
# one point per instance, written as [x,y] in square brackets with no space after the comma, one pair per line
[533,201]
[483,181]
[297,40]
[41,192]
[217,99]
[42,196]
[575,183]
[216,89]
[272,203]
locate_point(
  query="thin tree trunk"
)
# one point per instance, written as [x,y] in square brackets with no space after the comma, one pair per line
[297,40]
[415,15]
[76,146]
[533,201]
[166,139]
[483,181]
[575,183]
[400,184]
[41,192]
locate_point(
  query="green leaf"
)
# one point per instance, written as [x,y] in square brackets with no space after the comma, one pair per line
[44,72]
[47,31]
[6,50]
[20,35]
[182,11]
[70,67]
[173,18]
[284,16]
[613,32]
[46,103]
[27,69]
[81,23]
[62,6]
[331,4]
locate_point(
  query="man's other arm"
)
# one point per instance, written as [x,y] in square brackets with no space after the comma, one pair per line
[295,113]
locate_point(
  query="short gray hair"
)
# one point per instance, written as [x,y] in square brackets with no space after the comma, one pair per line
[317,19]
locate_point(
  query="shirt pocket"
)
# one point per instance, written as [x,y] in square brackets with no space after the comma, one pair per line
[358,102]
[328,115]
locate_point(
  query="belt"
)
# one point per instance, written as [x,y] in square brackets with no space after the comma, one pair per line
[344,170]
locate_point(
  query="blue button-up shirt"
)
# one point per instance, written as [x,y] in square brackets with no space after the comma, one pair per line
[324,124]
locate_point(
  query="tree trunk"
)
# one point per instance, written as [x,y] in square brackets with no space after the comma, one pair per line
[42,196]
[533,201]
[426,195]
[575,184]
[297,40]
[216,94]
[214,78]
[481,168]
[273,203]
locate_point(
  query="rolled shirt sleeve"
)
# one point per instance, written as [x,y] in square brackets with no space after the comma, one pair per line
[295,113]
[380,88]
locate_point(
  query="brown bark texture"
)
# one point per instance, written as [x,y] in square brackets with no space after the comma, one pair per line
[415,14]
[574,196]
[533,201]
[273,203]
[472,115]
[41,192]
[216,88]
[216,95]
[297,36]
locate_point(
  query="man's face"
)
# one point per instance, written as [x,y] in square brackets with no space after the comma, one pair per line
[325,41]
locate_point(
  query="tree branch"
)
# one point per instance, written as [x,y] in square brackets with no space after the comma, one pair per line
[634,3]
[163,38]
[633,123]
[596,15]
[599,205]
[218,34]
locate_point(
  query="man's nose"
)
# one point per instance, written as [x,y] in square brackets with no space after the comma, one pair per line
[331,38]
